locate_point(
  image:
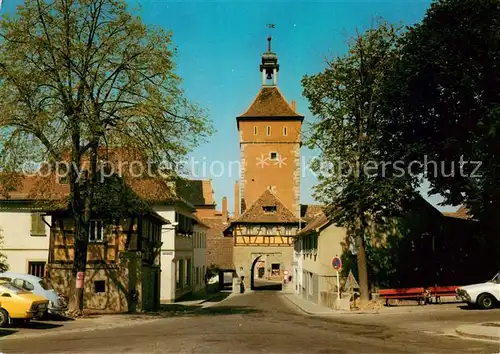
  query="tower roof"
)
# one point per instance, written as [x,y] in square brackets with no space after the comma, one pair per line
[267,209]
[270,103]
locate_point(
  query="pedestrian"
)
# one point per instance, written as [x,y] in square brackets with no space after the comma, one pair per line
[242,285]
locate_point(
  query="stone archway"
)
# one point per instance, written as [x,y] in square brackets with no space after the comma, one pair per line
[252,272]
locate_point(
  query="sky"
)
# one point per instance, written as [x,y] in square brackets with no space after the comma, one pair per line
[219,47]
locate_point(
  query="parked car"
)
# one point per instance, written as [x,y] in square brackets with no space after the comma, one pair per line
[37,285]
[485,295]
[19,304]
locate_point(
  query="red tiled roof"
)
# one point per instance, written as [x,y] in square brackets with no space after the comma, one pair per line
[461,213]
[315,224]
[310,211]
[257,214]
[270,103]
[197,192]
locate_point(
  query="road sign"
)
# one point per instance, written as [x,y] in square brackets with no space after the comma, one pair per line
[337,263]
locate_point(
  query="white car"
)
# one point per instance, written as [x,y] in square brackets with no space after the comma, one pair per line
[38,286]
[485,295]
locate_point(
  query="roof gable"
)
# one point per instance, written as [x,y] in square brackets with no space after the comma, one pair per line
[270,103]
[267,209]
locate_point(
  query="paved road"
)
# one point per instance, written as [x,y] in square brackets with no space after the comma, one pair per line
[256,322]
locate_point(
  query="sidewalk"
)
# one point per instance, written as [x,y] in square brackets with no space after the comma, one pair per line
[315,309]
[487,330]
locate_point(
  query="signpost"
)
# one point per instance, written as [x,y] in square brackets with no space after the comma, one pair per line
[337,265]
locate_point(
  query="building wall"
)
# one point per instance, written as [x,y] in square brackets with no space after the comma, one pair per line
[199,257]
[219,247]
[284,177]
[120,276]
[317,279]
[19,245]
[245,255]
[176,256]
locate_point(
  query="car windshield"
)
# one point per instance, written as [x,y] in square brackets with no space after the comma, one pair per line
[11,287]
[45,285]
[496,278]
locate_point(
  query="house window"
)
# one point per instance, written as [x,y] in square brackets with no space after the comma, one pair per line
[273,155]
[275,269]
[269,208]
[37,269]
[268,130]
[188,273]
[285,131]
[311,290]
[96,231]
[255,130]
[178,274]
[37,225]
[100,286]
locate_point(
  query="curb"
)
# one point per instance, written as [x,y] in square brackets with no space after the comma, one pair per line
[332,313]
[215,303]
[477,336]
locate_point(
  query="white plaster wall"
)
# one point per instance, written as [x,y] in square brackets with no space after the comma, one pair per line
[199,257]
[18,244]
[167,255]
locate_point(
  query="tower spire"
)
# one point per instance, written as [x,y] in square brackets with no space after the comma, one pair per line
[269,67]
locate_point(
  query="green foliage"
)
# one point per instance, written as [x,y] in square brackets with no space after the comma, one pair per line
[346,99]
[4,266]
[89,70]
[442,101]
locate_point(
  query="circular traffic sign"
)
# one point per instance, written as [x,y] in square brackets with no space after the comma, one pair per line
[336,263]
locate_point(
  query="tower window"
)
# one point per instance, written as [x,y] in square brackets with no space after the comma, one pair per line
[269,208]
[273,156]
[285,131]
[268,131]
[255,130]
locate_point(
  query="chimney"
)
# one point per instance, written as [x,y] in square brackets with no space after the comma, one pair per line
[294,105]
[224,207]
[236,199]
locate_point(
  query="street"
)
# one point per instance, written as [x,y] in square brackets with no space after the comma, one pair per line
[263,321]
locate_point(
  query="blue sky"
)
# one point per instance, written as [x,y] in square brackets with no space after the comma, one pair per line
[219,47]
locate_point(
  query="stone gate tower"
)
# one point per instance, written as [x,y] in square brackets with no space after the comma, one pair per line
[270,133]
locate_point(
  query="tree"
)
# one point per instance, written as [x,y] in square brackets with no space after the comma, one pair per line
[442,105]
[352,183]
[4,266]
[77,75]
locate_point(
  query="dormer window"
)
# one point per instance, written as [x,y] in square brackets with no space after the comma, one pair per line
[269,208]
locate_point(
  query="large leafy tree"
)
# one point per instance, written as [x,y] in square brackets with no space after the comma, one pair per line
[77,75]
[443,105]
[353,184]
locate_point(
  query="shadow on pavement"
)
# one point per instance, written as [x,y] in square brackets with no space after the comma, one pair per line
[6,332]
[274,287]
[197,310]
[37,325]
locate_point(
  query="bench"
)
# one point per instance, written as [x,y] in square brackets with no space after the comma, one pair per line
[418,294]
[437,291]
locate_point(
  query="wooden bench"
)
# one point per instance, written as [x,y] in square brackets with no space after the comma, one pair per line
[418,294]
[437,291]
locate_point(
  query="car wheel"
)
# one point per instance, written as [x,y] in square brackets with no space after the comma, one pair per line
[4,318]
[485,301]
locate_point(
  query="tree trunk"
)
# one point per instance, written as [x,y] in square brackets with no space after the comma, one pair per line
[362,264]
[80,208]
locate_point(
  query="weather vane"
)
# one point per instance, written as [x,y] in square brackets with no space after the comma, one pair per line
[270,25]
